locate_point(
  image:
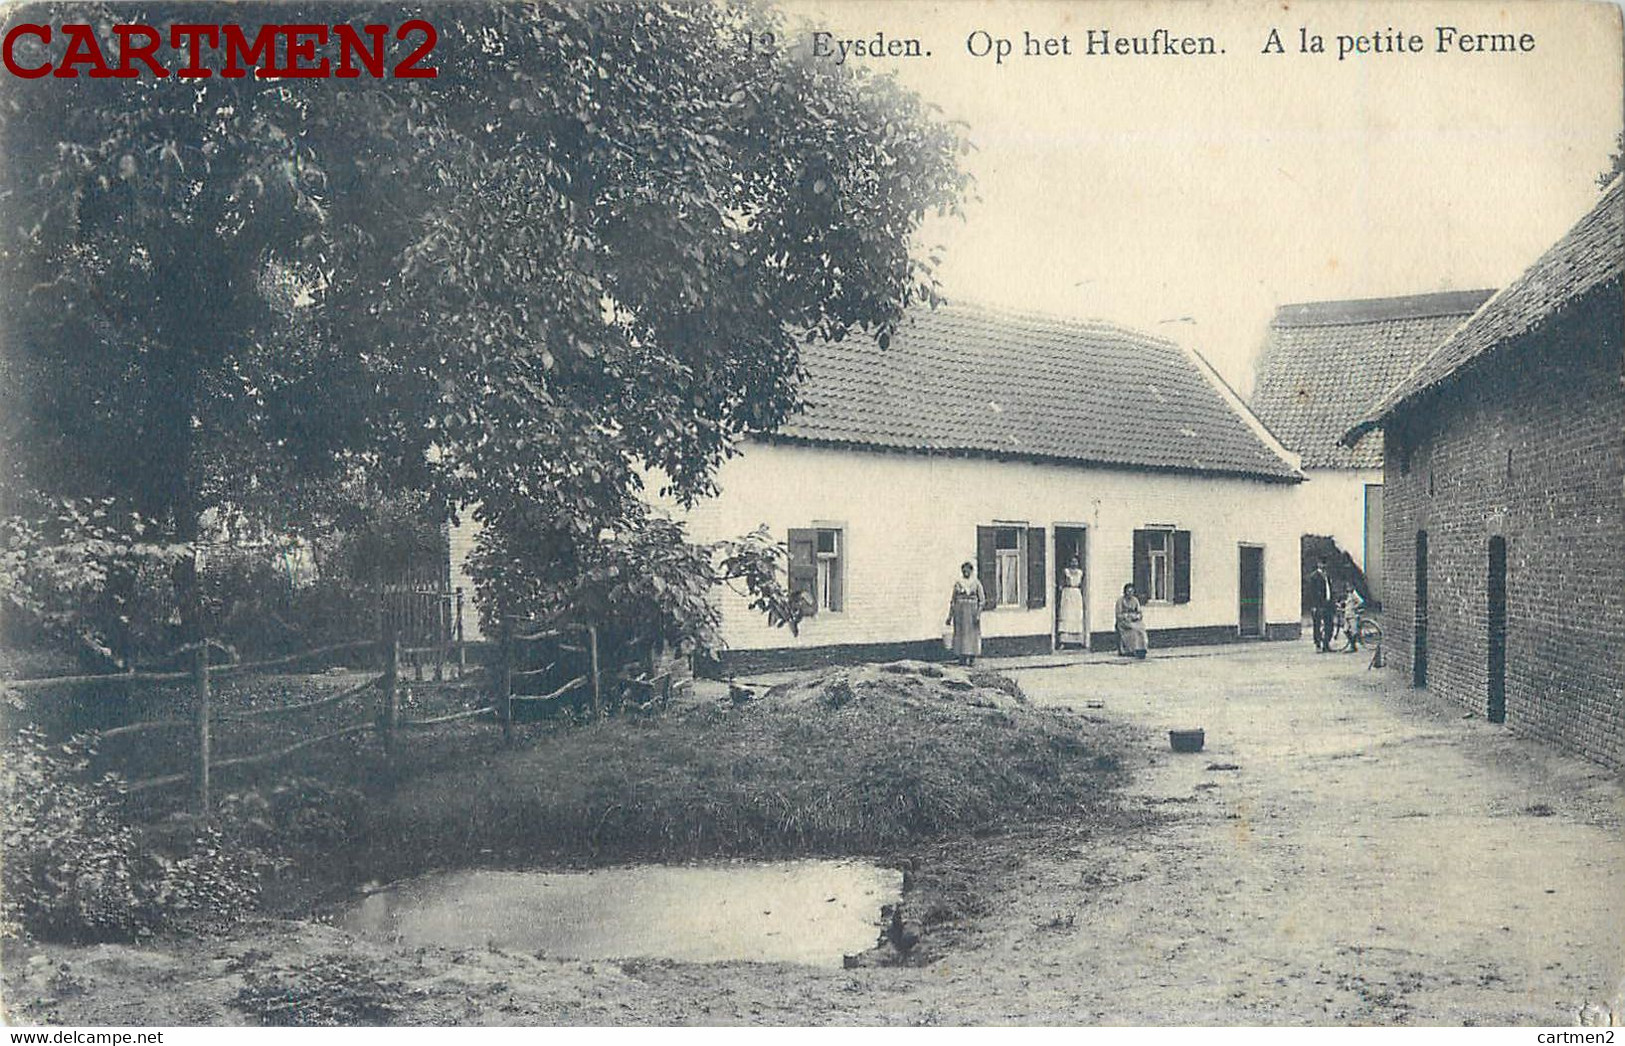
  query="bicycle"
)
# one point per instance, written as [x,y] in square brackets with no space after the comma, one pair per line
[1365,632]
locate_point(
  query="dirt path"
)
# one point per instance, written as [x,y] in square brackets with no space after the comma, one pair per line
[1374,859]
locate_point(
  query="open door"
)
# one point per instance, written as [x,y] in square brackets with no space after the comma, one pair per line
[1251,587]
[1071,621]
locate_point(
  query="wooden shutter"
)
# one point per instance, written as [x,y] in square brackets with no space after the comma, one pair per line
[987,565]
[837,573]
[1142,564]
[1182,566]
[1037,574]
[804,568]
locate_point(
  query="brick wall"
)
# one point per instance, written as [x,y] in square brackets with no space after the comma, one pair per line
[1528,446]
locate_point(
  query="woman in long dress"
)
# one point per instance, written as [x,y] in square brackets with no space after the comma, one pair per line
[965,614]
[1130,625]
[1069,616]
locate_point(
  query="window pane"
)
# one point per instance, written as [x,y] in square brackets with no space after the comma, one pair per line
[826,541]
[1007,538]
[826,567]
[1009,577]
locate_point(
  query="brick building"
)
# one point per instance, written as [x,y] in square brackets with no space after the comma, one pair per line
[1504,512]
[1323,363]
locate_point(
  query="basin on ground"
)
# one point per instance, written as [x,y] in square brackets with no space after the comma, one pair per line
[811,912]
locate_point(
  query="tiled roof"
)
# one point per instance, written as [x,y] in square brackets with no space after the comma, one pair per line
[1590,255]
[962,379]
[1324,363]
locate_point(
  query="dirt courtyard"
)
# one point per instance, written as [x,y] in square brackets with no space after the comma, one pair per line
[1345,850]
[1375,858]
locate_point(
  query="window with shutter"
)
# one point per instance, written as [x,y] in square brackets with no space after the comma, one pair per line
[817,570]
[1162,564]
[1011,566]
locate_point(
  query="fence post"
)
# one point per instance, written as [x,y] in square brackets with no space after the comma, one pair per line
[390,721]
[462,657]
[597,692]
[442,634]
[380,610]
[200,701]
[504,680]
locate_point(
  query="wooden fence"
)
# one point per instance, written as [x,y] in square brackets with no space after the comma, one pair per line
[557,641]
[428,619]
[549,665]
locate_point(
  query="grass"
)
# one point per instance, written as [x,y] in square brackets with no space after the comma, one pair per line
[862,761]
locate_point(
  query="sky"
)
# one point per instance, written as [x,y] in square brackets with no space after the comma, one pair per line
[1191,196]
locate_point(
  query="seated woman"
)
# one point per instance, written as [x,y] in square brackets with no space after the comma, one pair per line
[1130,625]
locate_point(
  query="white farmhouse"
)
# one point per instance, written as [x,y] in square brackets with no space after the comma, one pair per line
[1015,442]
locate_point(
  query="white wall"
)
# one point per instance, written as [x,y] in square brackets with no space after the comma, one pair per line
[461,542]
[910,520]
[1332,502]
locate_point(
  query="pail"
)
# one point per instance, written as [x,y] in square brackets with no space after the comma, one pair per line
[1186,740]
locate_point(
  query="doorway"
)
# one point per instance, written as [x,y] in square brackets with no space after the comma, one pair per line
[1071,622]
[1419,655]
[1497,617]
[1251,588]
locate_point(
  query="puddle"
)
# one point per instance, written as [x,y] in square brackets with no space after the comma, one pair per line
[810,912]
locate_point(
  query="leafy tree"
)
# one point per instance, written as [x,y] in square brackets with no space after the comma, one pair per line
[705,198]
[580,255]
[55,564]
[153,360]
[1616,163]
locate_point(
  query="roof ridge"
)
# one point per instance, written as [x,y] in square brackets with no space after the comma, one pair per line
[1093,323]
[1354,311]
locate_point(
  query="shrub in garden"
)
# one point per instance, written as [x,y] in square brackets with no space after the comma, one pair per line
[300,813]
[73,869]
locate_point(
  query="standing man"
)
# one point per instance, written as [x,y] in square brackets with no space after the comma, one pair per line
[1320,606]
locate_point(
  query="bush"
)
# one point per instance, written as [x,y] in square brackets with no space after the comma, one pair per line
[297,814]
[74,869]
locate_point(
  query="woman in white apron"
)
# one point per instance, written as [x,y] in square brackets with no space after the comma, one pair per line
[1069,616]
